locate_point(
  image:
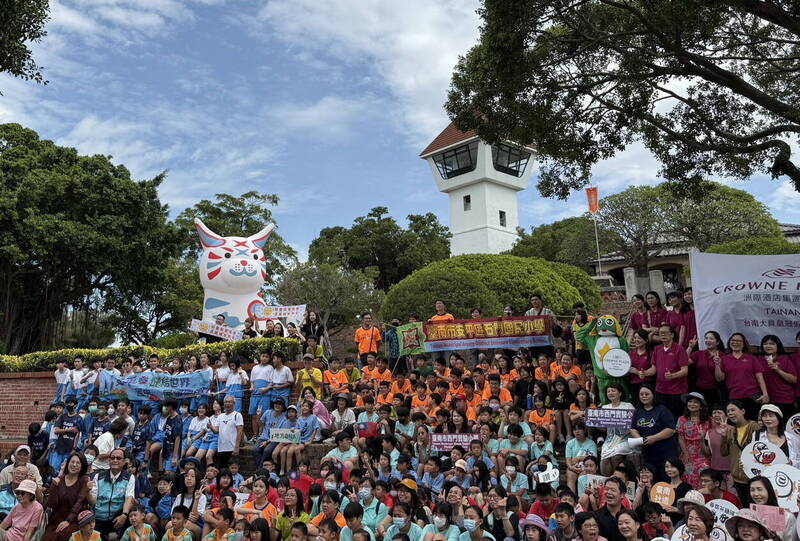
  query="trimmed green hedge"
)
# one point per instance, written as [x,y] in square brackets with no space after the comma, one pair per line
[460,289]
[46,360]
[510,280]
[579,278]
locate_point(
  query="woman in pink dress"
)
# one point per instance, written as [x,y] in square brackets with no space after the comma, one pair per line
[692,428]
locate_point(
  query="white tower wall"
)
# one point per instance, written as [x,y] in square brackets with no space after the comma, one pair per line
[478,230]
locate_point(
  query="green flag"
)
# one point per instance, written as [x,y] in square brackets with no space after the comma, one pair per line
[411,338]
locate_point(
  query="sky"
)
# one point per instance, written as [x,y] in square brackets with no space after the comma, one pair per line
[325,103]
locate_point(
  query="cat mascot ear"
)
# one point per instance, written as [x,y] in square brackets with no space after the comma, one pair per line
[260,238]
[208,238]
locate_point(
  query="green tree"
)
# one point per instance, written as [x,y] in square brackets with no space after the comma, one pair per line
[710,88]
[71,228]
[580,280]
[377,241]
[240,216]
[756,246]
[713,214]
[569,241]
[22,22]
[637,218]
[140,317]
[337,294]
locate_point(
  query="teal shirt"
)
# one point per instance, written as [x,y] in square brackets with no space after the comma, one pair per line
[346,534]
[484,535]
[526,429]
[346,455]
[363,417]
[451,533]
[521,445]
[414,533]
[374,513]
[404,429]
[519,482]
[536,452]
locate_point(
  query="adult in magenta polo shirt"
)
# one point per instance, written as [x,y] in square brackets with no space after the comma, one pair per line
[672,369]
[642,370]
[656,314]
[677,316]
[743,375]
[704,362]
[691,323]
[780,375]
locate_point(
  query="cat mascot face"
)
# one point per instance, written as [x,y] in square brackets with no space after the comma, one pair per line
[232,272]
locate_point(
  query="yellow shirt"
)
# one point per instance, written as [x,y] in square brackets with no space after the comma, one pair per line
[304,378]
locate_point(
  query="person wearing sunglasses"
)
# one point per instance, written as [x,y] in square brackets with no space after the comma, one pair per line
[112,494]
[25,518]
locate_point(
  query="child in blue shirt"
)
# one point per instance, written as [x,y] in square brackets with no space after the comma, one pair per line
[433,479]
[238,478]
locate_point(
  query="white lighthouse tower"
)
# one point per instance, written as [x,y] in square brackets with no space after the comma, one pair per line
[482,181]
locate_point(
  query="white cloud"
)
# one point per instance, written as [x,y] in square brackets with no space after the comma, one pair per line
[785,201]
[411,45]
[331,117]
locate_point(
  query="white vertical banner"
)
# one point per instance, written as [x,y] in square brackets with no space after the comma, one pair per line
[755,295]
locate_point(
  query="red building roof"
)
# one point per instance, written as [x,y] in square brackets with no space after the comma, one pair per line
[449,136]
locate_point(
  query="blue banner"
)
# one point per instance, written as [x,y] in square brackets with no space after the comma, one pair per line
[150,386]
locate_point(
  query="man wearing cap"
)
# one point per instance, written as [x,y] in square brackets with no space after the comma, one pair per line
[112,495]
[24,519]
[22,458]
[309,376]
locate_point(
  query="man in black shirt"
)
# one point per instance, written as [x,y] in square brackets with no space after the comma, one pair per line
[607,515]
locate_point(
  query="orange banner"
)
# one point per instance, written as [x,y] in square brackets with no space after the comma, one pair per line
[592,198]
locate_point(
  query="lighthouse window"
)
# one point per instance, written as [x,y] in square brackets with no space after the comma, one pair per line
[502,218]
[467,202]
[509,160]
[457,161]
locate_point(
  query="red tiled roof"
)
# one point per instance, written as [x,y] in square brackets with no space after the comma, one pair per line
[449,136]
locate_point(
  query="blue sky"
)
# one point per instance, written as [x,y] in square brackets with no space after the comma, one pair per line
[325,103]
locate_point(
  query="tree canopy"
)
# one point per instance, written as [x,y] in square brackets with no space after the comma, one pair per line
[569,241]
[337,295]
[756,246]
[71,228]
[710,88]
[22,22]
[377,241]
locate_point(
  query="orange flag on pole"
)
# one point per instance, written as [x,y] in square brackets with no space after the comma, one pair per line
[592,198]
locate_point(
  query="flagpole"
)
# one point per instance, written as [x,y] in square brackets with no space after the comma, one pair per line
[597,242]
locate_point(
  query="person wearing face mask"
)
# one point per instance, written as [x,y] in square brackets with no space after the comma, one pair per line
[68,432]
[403,524]
[441,526]
[513,481]
[374,510]
[473,522]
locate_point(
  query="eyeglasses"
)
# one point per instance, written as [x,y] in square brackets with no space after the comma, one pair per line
[20,493]
[116,457]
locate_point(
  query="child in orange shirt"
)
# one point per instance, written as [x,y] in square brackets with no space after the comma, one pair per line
[540,416]
[419,402]
[383,394]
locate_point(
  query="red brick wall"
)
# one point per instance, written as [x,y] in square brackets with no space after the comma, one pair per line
[24,399]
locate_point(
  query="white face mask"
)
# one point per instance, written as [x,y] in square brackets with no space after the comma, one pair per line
[330,486]
[184,410]
[439,522]
[511,469]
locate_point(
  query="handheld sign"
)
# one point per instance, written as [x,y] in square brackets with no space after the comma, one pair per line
[549,475]
[793,425]
[662,494]
[722,510]
[617,418]
[785,480]
[284,435]
[775,517]
[756,456]
[617,363]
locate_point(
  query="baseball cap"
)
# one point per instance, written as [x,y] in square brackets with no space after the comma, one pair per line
[771,407]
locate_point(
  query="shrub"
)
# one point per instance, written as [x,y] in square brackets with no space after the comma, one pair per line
[173,341]
[513,279]
[756,246]
[508,280]
[580,279]
[46,360]
[460,289]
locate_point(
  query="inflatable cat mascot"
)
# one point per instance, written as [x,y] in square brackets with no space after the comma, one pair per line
[600,336]
[232,272]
